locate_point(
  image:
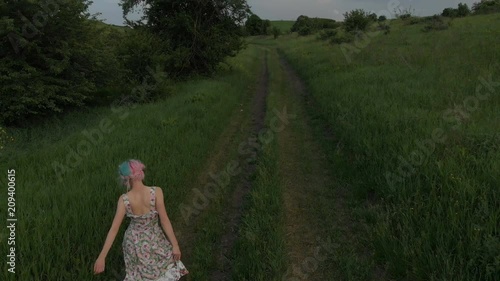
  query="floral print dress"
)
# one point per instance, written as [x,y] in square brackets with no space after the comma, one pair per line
[147,252]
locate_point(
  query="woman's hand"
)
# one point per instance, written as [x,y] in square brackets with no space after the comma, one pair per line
[99,265]
[176,251]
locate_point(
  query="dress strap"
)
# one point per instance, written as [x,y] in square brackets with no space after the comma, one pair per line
[127,204]
[153,198]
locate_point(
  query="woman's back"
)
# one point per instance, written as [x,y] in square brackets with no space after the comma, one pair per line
[140,200]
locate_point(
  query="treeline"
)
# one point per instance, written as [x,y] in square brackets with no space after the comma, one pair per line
[55,56]
[479,8]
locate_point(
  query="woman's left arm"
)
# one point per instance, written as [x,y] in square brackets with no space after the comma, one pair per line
[166,224]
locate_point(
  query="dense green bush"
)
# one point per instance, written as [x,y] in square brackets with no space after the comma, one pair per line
[384,27]
[343,37]
[141,56]
[327,34]
[305,30]
[356,20]
[47,62]
[436,23]
[382,18]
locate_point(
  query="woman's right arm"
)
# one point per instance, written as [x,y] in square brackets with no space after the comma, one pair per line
[115,227]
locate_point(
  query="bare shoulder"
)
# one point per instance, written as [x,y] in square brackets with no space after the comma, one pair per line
[121,202]
[159,191]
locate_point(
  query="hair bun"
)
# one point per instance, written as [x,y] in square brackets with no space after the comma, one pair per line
[131,169]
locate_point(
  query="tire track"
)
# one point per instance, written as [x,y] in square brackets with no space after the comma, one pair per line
[234,212]
[317,186]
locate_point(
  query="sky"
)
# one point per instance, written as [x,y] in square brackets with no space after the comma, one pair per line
[291,9]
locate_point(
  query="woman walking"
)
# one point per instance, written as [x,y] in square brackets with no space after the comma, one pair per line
[148,255]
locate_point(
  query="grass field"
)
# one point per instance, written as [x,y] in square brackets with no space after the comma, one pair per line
[386,169]
[62,224]
[418,128]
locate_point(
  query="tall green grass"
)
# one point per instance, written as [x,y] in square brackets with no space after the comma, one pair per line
[62,225]
[440,221]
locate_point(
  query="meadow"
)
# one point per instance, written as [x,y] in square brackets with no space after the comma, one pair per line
[417,119]
[387,170]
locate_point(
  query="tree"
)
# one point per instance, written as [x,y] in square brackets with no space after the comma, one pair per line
[256,26]
[373,17]
[300,23]
[253,25]
[201,34]
[382,18]
[450,13]
[463,10]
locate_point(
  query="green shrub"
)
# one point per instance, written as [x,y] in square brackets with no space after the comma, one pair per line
[405,13]
[356,20]
[327,34]
[313,24]
[372,17]
[305,30]
[436,23]
[346,37]
[276,32]
[413,20]
[382,18]
[384,27]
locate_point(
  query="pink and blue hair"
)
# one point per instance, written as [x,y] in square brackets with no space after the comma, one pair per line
[129,170]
